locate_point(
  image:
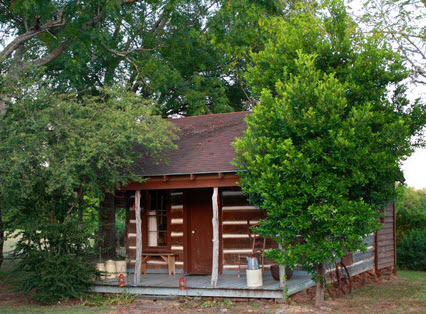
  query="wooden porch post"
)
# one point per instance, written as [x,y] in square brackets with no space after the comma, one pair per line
[215,222]
[282,272]
[138,237]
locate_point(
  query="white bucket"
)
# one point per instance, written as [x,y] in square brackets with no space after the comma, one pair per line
[101,268]
[121,267]
[254,277]
[111,269]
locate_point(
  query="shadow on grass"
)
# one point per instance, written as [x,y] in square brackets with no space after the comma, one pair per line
[10,277]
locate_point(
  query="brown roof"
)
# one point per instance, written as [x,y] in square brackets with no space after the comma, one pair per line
[204,146]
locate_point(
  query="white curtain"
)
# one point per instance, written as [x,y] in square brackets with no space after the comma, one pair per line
[152,229]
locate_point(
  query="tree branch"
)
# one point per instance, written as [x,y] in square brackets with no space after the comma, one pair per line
[124,53]
[80,192]
[23,38]
[51,56]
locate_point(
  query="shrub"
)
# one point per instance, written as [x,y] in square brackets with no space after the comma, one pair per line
[410,211]
[57,260]
[411,251]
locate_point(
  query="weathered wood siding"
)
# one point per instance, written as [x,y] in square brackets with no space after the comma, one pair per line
[176,227]
[237,216]
[362,261]
[385,244]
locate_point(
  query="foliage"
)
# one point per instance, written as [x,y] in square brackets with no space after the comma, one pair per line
[60,154]
[227,303]
[235,31]
[58,150]
[208,303]
[322,147]
[57,260]
[120,225]
[175,52]
[410,212]
[97,299]
[410,229]
[411,251]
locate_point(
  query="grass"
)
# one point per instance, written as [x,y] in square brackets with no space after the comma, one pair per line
[9,245]
[397,294]
[12,301]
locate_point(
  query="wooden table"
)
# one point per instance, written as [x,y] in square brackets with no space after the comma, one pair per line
[169,258]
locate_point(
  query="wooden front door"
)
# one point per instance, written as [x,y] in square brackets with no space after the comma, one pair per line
[199,216]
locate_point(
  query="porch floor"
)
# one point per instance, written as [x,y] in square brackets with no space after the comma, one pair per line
[200,285]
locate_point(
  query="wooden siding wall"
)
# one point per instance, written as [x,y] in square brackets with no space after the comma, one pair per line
[176,235]
[362,261]
[176,227]
[130,238]
[237,216]
[385,240]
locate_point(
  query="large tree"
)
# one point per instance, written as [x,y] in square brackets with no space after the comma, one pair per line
[176,52]
[323,145]
[157,47]
[57,153]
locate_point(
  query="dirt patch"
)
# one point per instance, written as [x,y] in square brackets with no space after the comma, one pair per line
[384,292]
[10,298]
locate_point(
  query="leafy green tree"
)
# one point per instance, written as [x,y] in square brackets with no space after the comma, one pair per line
[322,147]
[58,153]
[169,51]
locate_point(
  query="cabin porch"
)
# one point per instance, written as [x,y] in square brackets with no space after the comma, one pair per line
[228,285]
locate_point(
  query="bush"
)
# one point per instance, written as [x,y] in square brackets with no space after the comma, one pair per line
[411,251]
[410,211]
[57,260]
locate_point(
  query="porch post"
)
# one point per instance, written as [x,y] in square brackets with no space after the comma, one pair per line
[215,222]
[282,272]
[138,237]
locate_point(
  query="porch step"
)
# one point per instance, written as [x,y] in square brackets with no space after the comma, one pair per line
[192,292]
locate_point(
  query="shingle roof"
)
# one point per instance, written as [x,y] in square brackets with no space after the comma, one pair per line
[204,146]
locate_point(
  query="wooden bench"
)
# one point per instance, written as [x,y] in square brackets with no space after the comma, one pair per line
[169,258]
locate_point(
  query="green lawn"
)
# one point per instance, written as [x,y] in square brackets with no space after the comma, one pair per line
[398,294]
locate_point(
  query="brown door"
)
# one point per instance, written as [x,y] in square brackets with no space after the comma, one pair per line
[199,231]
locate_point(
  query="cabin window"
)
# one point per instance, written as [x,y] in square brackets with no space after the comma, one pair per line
[157,219]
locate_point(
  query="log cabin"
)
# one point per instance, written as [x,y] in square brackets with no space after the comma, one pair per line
[192,211]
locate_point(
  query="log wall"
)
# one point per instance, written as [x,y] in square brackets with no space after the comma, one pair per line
[362,261]
[385,242]
[237,216]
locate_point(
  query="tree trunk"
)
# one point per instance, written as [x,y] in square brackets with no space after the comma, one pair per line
[320,285]
[107,228]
